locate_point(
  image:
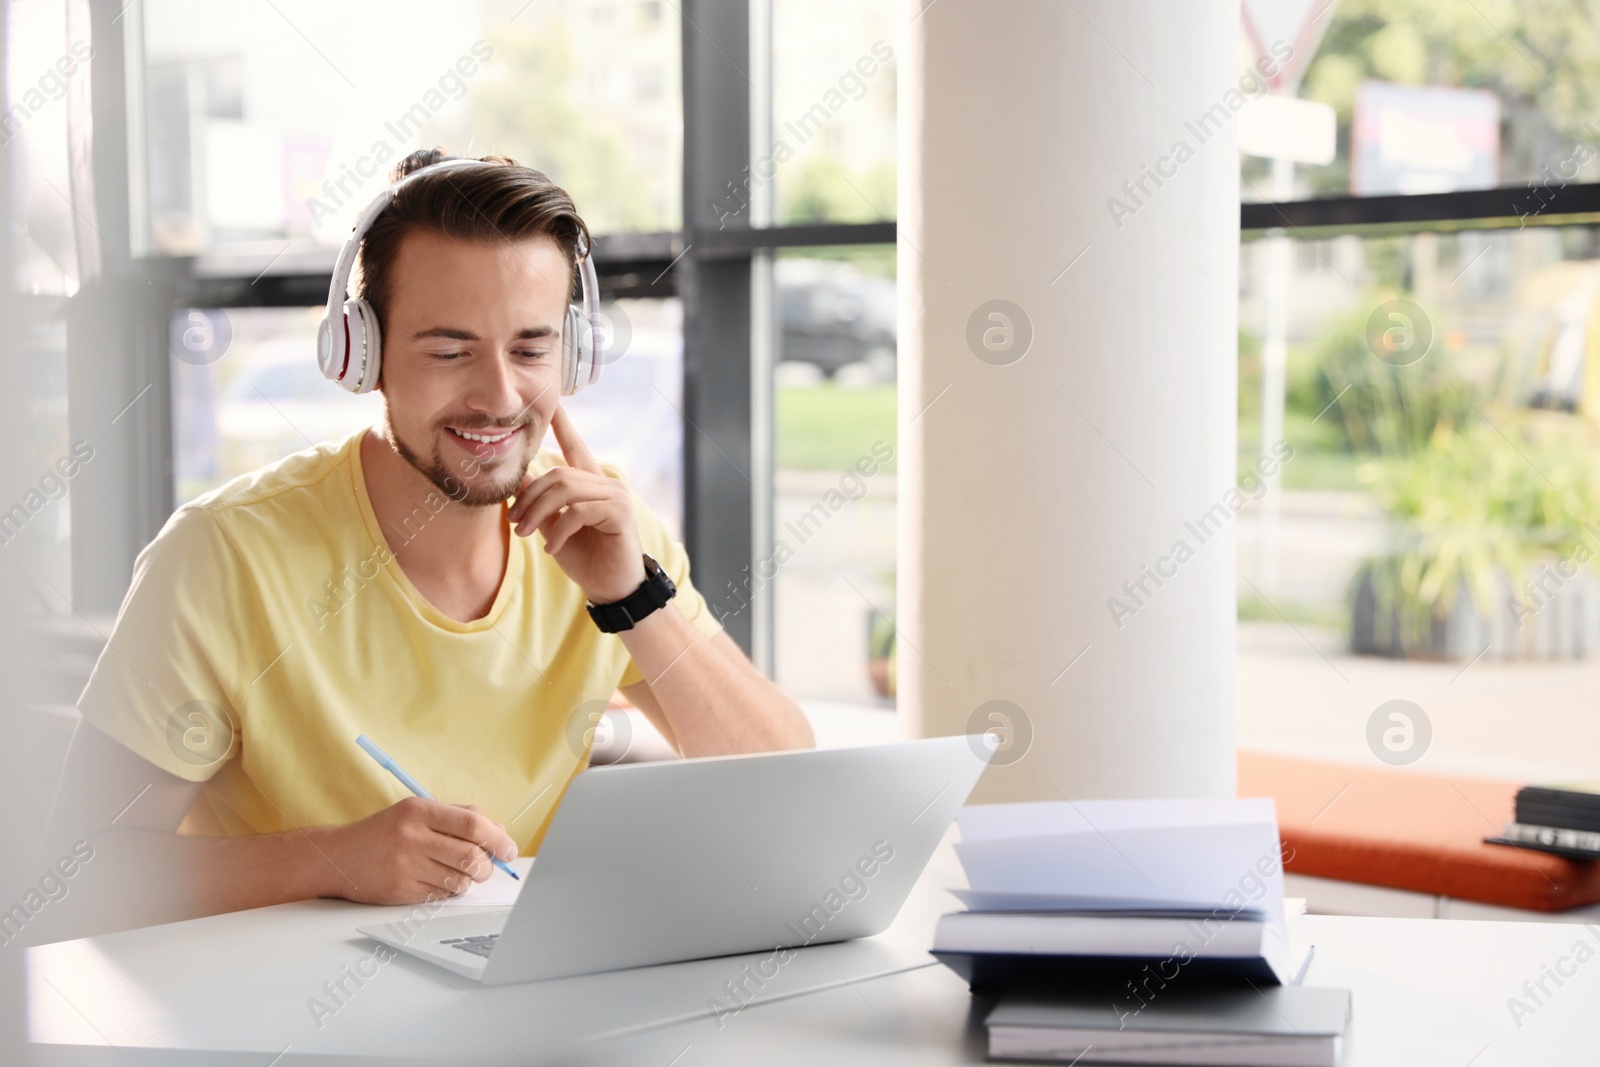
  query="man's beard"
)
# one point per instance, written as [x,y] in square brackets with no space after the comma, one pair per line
[457,488]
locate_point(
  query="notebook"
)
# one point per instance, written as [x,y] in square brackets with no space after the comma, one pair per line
[1269,1026]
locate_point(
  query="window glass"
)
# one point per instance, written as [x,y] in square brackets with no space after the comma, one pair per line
[1436,97]
[835,491]
[271,125]
[46,61]
[1435,534]
[833,103]
[42,518]
[246,391]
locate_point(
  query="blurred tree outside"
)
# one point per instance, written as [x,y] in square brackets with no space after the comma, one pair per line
[821,189]
[533,119]
[1541,57]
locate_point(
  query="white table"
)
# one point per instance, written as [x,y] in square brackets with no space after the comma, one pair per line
[233,989]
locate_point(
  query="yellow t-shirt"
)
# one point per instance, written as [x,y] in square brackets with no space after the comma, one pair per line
[268,624]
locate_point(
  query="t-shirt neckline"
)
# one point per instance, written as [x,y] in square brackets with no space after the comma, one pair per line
[511,572]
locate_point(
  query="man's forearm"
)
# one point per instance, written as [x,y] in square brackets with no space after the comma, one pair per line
[146,877]
[714,704]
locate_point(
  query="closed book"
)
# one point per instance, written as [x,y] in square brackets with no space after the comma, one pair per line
[993,950]
[1276,1026]
[1575,807]
[1573,844]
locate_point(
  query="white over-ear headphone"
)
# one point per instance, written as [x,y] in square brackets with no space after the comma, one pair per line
[350,344]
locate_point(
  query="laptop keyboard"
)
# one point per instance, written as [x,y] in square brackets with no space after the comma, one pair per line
[481,945]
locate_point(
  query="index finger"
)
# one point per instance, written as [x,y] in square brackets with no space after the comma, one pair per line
[577,453]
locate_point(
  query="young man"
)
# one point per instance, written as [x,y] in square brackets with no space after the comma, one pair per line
[425,583]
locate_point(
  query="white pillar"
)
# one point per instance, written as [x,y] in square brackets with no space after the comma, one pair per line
[1032,491]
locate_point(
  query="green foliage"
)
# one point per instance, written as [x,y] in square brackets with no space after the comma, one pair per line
[827,427]
[1249,377]
[877,260]
[532,119]
[1487,500]
[1384,409]
[1252,608]
[1476,490]
[1542,57]
[1322,459]
[820,189]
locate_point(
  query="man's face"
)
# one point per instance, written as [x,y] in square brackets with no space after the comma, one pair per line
[472,346]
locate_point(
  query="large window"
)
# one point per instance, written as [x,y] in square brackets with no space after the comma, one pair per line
[1428,363]
[1432,536]
[1407,552]
[270,125]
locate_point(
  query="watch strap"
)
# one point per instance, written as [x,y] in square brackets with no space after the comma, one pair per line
[652,595]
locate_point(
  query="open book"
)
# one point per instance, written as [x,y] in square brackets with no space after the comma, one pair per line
[1136,891]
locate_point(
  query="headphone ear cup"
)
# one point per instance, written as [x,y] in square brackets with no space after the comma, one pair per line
[371,348]
[346,370]
[355,346]
[325,353]
[577,351]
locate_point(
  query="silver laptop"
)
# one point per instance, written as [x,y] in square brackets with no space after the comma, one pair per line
[660,862]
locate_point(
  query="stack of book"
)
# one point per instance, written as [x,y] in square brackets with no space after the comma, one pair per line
[1155,931]
[1562,820]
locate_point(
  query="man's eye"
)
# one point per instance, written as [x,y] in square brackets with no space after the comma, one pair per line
[532,353]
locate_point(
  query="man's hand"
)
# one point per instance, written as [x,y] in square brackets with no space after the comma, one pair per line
[414,851]
[586,519]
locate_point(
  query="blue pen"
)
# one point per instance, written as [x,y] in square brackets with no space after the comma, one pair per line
[416,787]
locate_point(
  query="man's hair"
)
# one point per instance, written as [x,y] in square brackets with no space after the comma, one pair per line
[506,202]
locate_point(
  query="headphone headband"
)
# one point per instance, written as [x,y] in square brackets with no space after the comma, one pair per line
[350,326]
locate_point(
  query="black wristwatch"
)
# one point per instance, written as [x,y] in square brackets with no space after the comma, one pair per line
[653,593]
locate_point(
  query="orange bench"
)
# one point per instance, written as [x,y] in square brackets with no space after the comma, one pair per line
[1406,830]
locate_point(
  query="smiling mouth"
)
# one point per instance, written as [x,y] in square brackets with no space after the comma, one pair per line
[484,438]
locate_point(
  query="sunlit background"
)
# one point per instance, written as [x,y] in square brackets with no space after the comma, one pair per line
[1422,494]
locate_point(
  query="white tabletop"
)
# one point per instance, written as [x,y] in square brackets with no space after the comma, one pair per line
[1425,991]
[235,989]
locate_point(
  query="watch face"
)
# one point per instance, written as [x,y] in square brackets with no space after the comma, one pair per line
[653,571]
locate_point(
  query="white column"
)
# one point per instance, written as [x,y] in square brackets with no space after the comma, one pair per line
[1078,161]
